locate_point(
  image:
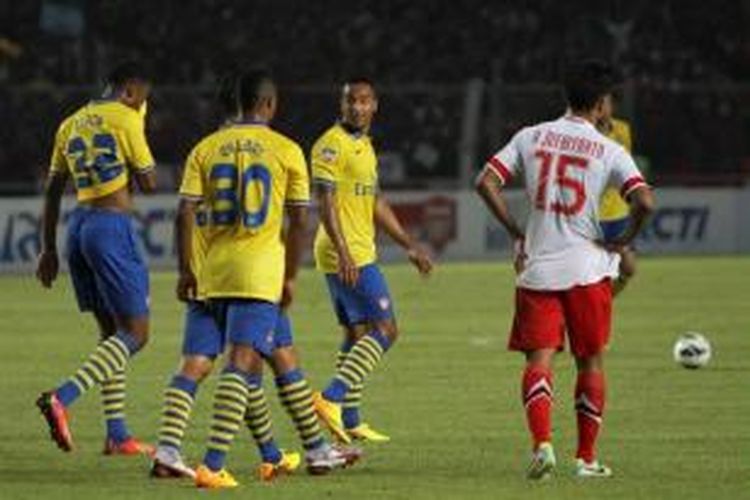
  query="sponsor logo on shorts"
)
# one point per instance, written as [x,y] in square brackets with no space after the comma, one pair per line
[384,303]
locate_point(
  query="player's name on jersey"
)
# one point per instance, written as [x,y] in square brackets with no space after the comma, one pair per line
[572,144]
[89,121]
[242,146]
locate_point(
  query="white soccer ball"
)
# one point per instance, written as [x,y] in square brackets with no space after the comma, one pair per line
[692,350]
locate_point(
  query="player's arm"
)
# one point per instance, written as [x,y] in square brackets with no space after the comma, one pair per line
[187,284]
[638,194]
[48,263]
[191,195]
[295,245]
[296,202]
[387,220]
[139,157]
[325,194]
[489,188]
[327,163]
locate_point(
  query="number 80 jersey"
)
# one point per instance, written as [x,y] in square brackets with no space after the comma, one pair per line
[98,144]
[244,175]
[566,164]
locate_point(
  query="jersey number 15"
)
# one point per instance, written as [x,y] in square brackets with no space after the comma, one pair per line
[565,205]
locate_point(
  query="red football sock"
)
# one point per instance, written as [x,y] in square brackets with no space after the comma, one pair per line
[537,400]
[589,396]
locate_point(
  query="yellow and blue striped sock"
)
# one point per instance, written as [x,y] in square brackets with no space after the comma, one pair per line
[296,396]
[353,398]
[258,420]
[179,397]
[359,363]
[113,401]
[230,405]
[110,357]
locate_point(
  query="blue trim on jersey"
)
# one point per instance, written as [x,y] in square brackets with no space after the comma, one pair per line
[368,301]
[106,265]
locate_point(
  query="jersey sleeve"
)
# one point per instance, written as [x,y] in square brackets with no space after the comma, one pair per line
[506,163]
[298,182]
[137,153]
[625,176]
[192,186]
[326,161]
[58,162]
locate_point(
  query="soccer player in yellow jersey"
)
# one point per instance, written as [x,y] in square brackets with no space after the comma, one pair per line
[100,147]
[247,176]
[613,210]
[345,177]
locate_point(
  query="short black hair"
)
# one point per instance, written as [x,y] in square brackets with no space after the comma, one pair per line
[588,81]
[250,85]
[358,79]
[226,93]
[126,71]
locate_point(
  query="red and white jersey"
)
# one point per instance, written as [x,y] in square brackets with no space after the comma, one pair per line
[566,165]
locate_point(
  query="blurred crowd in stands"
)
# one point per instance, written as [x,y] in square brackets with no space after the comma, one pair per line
[685,63]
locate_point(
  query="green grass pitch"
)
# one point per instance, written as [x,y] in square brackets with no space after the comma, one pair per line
[447,393]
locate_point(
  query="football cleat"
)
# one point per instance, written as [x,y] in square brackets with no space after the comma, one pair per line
[130,447]
[289,462]
[56,416]
[591,469]
[542,462]
[326,458]
[363,432]
[330,414]
[168,464]
[206,478]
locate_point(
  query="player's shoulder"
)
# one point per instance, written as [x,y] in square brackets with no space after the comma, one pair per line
[331,137]
[283,142]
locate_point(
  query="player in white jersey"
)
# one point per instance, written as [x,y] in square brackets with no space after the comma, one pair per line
[565,269]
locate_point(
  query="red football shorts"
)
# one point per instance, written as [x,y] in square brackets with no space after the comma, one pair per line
[543,317]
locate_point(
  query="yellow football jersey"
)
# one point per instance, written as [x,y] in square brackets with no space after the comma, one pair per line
[612,206]
[348,163]
[245,174]
[200,247]
[99,144]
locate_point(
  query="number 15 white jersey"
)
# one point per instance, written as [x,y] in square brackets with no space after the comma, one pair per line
[566,165]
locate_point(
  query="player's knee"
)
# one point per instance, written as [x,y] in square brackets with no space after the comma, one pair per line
[389,329]
[592,363]
[196,368]
[245,358]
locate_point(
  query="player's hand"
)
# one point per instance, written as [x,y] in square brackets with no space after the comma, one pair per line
[614,246]
[47,267]
[187,286]
[519,255]
[348,271]
[421,259]
[287,294]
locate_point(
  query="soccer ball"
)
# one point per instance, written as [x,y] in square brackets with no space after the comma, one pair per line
[692,350]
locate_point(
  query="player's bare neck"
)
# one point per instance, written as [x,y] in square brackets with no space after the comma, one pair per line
[353,130]
[588,116]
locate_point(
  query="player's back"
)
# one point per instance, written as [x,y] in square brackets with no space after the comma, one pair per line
[245,174]
[99,144]
[566,164]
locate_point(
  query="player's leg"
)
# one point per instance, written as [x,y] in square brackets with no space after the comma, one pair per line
[107,273]
[350,414]
[588,312]
[296,396]
[538,333]
[369,301]
[248,324]
[202,342]
[118,440]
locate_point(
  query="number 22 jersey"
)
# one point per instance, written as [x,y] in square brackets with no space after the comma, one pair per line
[244,175]
[566,165]
[99,144]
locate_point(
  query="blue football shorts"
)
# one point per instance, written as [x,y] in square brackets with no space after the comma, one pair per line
[368,301]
